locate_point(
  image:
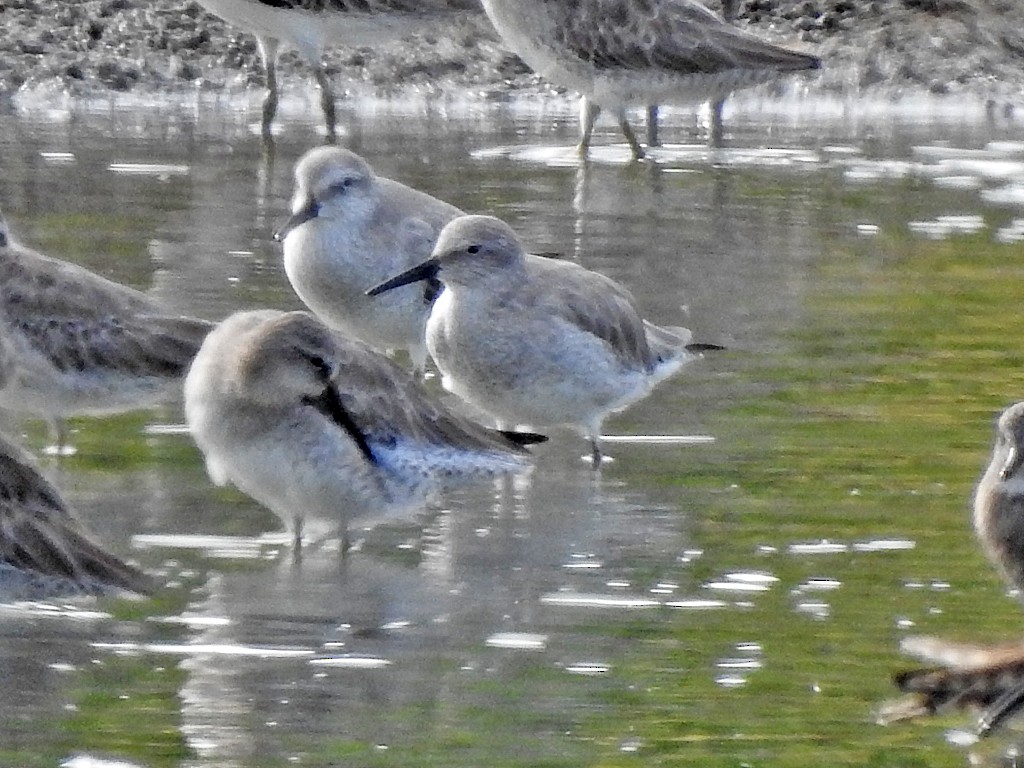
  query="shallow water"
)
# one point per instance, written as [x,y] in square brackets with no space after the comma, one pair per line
[726,601]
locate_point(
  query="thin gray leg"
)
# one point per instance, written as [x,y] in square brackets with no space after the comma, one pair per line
[268,49]
[652,126]
[588,116]
[717,128]
[627,131]
[326,101]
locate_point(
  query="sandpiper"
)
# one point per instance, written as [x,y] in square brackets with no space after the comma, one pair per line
[44,551]
[74,343]
[311,26]
[538,341]
[620,53]
[319,427]
[351,229]
[991,677]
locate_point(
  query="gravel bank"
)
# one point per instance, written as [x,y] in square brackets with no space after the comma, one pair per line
[878,48]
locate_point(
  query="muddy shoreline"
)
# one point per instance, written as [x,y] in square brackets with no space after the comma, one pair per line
[888,49]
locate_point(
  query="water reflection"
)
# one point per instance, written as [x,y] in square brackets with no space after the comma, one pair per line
[645,612]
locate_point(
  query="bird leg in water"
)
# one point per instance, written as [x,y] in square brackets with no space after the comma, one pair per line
[327,102]
[268,47]
[652,126]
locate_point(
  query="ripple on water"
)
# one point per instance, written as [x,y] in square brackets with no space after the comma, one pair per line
[237,650]
[518,641]
[598,600]
[159,170]
[945,226]
[690,154]
[1012,233]
[91,761]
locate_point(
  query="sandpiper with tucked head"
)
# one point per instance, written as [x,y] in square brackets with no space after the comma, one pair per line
[991,677]
[74,343]
[44,551]
[310,26]
[351,229]
[621,53]
[319,427]
[534,340]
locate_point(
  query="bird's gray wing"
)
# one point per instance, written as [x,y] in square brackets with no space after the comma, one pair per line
[388,406]
[595,304]
[676,35]
[81,321]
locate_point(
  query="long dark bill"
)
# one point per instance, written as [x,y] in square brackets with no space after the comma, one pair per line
[425,271]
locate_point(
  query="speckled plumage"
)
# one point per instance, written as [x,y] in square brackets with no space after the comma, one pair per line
[317,426]
[989,677]
[349,230]
[72,342]
[44,551]
[538,341]
[620,53]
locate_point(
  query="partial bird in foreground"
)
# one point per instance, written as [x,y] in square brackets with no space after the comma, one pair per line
[44,551]
[538,341]
[350,229]
[990,678]
[321,428]
[622,53]
[310,26]
[74,343]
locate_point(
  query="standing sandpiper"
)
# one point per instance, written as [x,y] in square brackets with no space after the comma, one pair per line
[310,26]
[538,341]
[621,53]
[349,230]
[319,427]
[74,343]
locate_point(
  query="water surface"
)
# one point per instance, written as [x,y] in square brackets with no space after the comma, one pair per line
[728,602]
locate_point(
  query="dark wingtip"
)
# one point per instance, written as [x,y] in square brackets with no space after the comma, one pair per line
[523,438]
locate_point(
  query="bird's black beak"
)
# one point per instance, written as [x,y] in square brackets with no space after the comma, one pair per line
[297,219]
[425,271]
[1013,461]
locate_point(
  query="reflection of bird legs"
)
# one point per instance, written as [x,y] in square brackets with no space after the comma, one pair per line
[60,442]
[588,116]
[268,50]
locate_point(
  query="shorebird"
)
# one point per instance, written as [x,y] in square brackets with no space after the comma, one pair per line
[44,551]
[74,343]
[988,677]
[534,340]
[349,230]
[310,26]
[620,53]
[317,426]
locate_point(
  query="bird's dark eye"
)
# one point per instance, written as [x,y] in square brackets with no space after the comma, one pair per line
[341,187]
[321,365]
[473,249]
